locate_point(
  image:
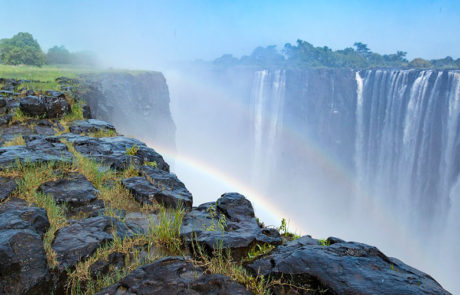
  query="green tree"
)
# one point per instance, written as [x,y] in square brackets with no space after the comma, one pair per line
[58,55]
[22,48]
[420,63]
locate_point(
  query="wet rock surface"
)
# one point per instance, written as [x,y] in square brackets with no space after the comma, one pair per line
[239,232]
[113,151]
[342,268]
[81,238]
[7,186]
[75,192]
[174,275]
[45,106]
[38,149]
[91,125]
[23,267]
[158,186]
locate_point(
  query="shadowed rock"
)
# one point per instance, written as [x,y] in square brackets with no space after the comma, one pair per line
[343,268]
[89,126]
[174,275]
[38,149]
[16,214]
[158,186]
[44,106]
[112,151]
[75,192]
[240,229]
[23,266]
[81,239]
[115,261]
[7,186]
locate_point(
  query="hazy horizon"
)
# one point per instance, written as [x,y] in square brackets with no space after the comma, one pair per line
[152,34]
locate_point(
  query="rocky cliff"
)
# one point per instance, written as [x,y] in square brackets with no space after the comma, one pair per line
[84,210]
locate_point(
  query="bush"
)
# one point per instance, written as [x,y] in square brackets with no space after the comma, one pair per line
[58,55]
[22,48]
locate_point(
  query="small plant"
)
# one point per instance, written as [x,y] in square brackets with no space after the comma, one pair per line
[220,224]
[259,250]
[324,242]
[17,140]
[132,151]
[283,227]
[166,233]
[151,164]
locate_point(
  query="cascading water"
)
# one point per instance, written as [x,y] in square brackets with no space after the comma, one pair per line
[407,128]
[267,100]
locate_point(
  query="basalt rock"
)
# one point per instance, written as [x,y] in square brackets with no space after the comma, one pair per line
[342,268]
[174,275]
[7,186]
[45,106]
[113,151]
[75,192]
[89,126]
[81,238]
[16,214]
[23,266]
[158,186]
[115,261]
[239,232]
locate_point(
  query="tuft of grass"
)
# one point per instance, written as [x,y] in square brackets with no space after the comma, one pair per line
[259,250]
[151,164]
[17,140]
[103,133]
[166,233]
[19,116]
[323,242]
[80,280]
[76,112]
[284,231]
[220,262]
[132,151]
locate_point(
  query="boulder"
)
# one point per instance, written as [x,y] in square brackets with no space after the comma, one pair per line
[90,125]
[75,192]
[7,186]
[32,106]
[112,151]
[23,267]
[230,222]
[146,193]
[168,183]
[81,238]
[2,102]
[174,275]
[17,214]
[44,106]
[342,268]
[5,119]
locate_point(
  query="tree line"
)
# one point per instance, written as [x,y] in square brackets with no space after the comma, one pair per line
[22,48]
[305,55]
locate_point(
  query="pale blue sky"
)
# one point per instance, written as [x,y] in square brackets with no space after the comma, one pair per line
[150,33]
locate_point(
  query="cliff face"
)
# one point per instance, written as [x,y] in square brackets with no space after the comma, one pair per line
[137,104]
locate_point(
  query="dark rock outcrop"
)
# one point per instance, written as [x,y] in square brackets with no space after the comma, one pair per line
[115,261]
[89,126]
[45,106]
[174,275]
[38,149]
[75,192]
[23,266]
[113,151]
[158,186]
[81,238]
[240,230]
[16,214]
[7,186]
[343,268]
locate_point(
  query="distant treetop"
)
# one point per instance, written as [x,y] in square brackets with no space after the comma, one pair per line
[305,55]
[22,48]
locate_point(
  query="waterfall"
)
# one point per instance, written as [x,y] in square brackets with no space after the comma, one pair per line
[407,141]
[268,92]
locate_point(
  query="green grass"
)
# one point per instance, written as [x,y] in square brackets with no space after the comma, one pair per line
[17,140]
